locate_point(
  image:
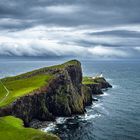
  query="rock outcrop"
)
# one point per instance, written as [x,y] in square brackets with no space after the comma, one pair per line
[95,88]
[65,95]
[98,86]
[103,83]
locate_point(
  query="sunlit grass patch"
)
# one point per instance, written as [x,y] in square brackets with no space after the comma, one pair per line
[20,87]
[12,128]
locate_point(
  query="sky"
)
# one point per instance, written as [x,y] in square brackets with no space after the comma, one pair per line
[86,29]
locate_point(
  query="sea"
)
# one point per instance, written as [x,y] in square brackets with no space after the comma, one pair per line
[116,114]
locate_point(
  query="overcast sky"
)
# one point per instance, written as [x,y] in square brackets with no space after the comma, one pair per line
[94,29]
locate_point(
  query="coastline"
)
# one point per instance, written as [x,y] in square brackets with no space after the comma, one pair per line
[65,93]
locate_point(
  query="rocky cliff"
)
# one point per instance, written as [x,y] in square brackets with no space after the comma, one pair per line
[64,95]
[96,84]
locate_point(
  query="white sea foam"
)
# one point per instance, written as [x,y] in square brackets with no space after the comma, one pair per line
[115,86]
[51,126]
[89,110]
[105,94]
[97,105]
[90,116]
[61,120]
[101,108]
[109,80]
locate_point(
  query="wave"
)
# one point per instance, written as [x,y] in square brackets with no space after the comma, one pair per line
[50,127]
[90,116]
[97,105]
[61,120]
[115,86]
[100,108]
[109,79]
[105,94]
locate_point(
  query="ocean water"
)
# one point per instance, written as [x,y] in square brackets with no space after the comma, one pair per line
[116,114]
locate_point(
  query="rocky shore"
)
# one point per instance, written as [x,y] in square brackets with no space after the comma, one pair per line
[64,95]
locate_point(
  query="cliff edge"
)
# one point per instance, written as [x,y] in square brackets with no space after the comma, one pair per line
[49,92]
[61,95]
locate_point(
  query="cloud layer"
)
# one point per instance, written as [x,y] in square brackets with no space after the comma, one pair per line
[82,28]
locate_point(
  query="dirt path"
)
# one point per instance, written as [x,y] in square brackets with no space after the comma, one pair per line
[6,91]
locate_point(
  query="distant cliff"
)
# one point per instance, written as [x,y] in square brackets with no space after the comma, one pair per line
[63,95]
[96,84]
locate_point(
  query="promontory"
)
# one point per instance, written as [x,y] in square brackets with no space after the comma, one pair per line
[44,94]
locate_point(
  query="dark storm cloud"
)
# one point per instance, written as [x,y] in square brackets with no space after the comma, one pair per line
[91,12]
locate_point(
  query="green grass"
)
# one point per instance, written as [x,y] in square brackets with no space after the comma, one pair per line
[25,83]
[43,70]
[20,87]
[88,80]
[99,79]
[72,62]
[11,128]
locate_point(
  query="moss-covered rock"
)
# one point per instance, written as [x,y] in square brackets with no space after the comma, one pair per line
[87,95]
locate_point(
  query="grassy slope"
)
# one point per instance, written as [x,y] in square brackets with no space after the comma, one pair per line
[89,80]
[11,128]
[42,70]
[23,84]
[20,87]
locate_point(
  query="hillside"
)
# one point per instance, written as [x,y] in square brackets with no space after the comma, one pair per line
[11,128]
[45,94]
[26,83]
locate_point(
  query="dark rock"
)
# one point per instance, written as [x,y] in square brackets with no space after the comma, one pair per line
[95,88]
[103,83]
[87,95]
[94,99]
[99,85]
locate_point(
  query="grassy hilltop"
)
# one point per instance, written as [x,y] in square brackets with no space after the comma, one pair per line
[26,83]
[90,80]
[20,87]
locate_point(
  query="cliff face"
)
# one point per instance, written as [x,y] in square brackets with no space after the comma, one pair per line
[95,88]
[103,83]
[64,93]
[100,83]
[63,96]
